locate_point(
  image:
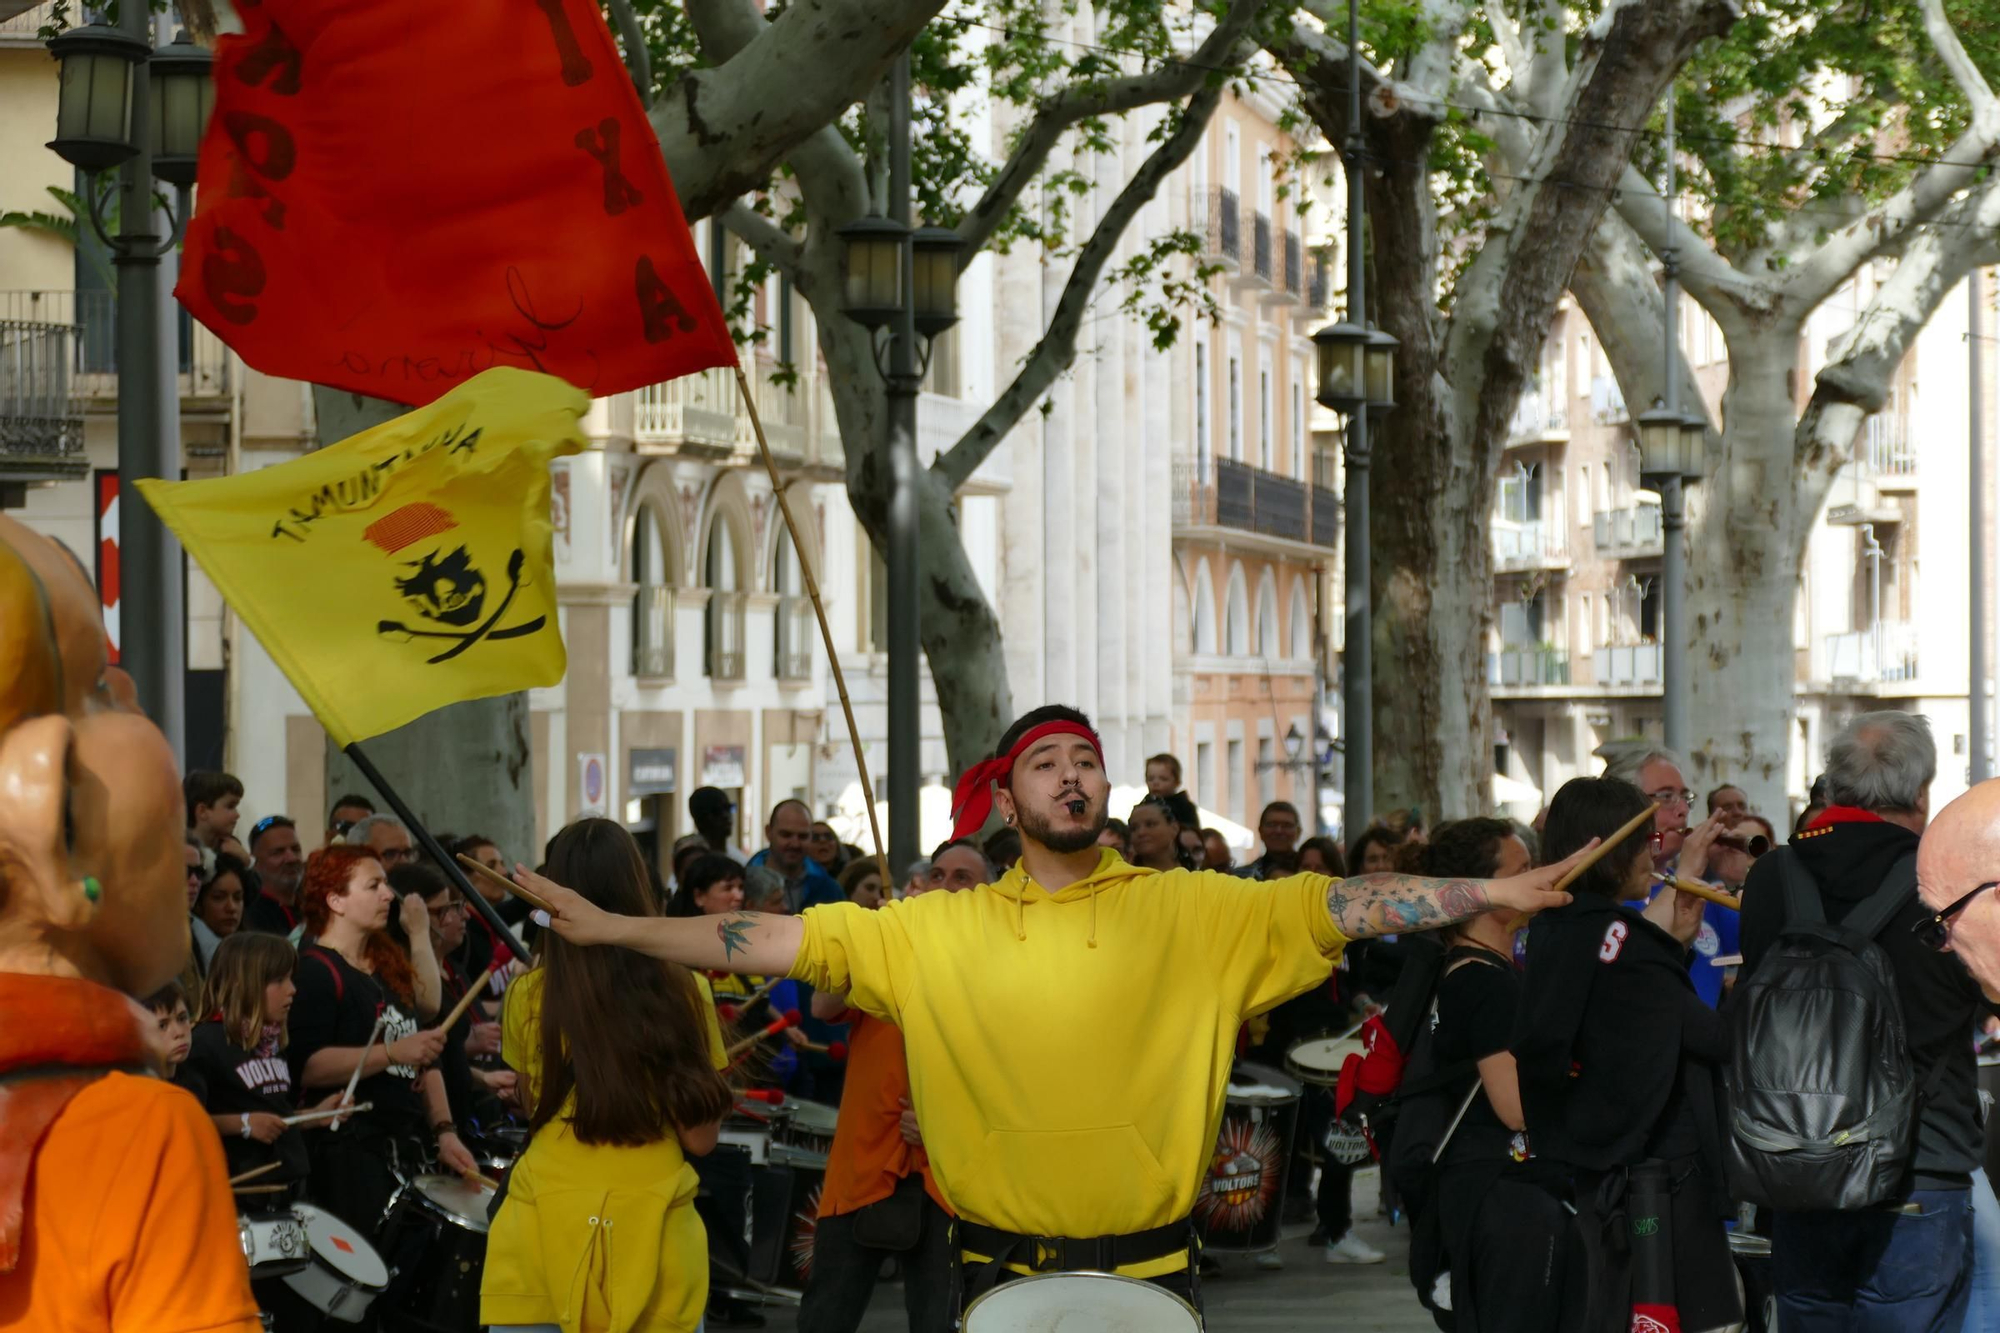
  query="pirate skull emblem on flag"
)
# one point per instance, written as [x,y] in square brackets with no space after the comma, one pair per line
[403,569]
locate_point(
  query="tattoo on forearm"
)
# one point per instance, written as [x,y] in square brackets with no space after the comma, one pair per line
[1374,905]
[734,932]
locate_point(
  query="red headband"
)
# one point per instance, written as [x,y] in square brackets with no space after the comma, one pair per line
[972,801]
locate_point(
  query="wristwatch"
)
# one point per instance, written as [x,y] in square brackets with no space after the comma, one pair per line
[245,1118]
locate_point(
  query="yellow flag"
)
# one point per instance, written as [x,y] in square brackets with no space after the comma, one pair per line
[405,568]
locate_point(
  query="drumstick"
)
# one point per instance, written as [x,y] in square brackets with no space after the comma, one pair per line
[355,1077]
[836,1050]
[1591,857]
[484,1182]
[771,1029]
[528,896]
[1701,890]
[759,993]
[255,1172]
[465,1001]
[337,1113]
[258,1189]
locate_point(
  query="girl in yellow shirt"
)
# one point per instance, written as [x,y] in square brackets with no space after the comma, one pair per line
[618,1056]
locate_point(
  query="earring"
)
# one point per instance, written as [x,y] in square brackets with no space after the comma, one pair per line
[92,890]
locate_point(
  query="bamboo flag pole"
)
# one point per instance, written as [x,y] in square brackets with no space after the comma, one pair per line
[825,630]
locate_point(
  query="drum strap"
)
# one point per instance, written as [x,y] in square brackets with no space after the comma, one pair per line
[1062,1254]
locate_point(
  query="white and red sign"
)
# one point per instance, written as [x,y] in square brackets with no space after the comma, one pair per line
[106,509]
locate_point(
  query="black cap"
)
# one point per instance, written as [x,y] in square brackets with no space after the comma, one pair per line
[710,803]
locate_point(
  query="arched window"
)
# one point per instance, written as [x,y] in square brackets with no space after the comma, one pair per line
[1236,615]
[1268,640]
[722,647]
[792,625]
[1204,611]
[653,601]
[1301,626]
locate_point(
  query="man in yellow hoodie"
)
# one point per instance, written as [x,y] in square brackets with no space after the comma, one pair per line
[1070,1029]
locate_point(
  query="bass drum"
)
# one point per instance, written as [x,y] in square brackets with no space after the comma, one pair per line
[1240,1208]
[1080,1303]
[442,1219]
[785,1217]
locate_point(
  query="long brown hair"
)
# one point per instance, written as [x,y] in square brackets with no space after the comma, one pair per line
[327,873]
[622,1031]
[245,963]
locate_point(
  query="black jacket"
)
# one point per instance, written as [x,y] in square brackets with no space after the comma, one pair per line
[1848,861]
[1617,1054]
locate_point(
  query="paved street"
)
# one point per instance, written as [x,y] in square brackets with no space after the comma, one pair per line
[1308,1295]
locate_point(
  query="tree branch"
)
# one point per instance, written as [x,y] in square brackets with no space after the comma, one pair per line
[724,27]
[1432,66]
[1614,287]
[1057,348]
[1055,114]
[767,238]
[638,60]
[1958,64]
[722,130]
[1707,276]
[1319,64]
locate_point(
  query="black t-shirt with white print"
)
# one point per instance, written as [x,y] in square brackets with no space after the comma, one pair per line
[336,1006]
[230,1081]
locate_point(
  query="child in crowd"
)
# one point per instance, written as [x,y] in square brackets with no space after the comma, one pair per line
[170,1008]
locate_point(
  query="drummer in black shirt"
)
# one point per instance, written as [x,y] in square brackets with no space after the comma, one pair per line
[1617,1059]
[352,976]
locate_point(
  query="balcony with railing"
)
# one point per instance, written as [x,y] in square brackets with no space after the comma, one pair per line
[723,653]
[795,634]
[21,25]
[41,422]
[703,413]
[1887,452]
[1523,667]
[1607,401]
[1234,495]
[1882,654]
[1257,274]
[1626,666]
[1218,217]
[1539,418]
[202,361]
[1531,545]
[1319,284]
[1327,514]
[653,632]
[1290,287]
[1628,534]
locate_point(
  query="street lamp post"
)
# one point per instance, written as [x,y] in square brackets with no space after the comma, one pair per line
[123,102]
[904,281]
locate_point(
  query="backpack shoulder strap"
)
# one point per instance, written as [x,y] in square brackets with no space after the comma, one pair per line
[339,986]
[1880,907]
[1802,900]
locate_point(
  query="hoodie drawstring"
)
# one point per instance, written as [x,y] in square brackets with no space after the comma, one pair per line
[1093,918]
[1021,917]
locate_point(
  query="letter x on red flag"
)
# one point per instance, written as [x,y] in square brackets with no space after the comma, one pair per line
[395,197]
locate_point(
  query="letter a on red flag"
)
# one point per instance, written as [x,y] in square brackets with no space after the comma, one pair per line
[395,197]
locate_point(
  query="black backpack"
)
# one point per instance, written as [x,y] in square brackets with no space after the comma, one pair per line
[1822,1093]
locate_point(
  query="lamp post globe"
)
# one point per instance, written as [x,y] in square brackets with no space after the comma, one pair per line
[1342,353]
[94,104]
[871,292]
[1380,359]
[934,268]
[182,94]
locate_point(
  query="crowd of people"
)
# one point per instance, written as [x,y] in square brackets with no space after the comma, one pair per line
[799,1073]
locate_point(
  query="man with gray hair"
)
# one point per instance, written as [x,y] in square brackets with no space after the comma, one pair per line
[1908,1265]
[1658,772]
[386,837]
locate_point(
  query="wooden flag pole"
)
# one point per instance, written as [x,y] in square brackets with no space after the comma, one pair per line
[825,630]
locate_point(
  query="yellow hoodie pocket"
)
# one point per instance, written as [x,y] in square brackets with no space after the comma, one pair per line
[1070,1182]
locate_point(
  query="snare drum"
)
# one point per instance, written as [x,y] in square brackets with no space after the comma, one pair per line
[1318,1059]
[345,1275]
[1099,1302]
[785,1217]
[1241,1204]
[751,1127]
[441,1221]
[809,1126]
[274,1243]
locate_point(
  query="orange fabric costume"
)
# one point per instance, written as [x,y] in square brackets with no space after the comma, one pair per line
[869,1155]
[115,1210]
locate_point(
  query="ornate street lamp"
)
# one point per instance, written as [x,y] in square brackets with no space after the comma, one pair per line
[871,292]
[182,95]
[94,104]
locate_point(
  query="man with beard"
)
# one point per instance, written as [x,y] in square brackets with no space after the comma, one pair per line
[281,868]
[1070,1028]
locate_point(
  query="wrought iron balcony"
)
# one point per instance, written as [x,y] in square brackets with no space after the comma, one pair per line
[1229,494]
[41,422]
[1219,218]
[202,361]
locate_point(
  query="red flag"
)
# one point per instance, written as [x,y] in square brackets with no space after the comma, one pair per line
[395,197]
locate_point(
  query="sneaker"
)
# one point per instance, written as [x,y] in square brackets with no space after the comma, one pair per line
[1269,1260]
[1351,1249]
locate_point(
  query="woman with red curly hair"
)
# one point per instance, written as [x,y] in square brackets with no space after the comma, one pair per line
[349,977]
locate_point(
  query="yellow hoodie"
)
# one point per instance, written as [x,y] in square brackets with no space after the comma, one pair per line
[1069,1052]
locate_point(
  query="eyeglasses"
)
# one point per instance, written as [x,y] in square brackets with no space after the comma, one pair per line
[1668,796]
[395,856]
[1934,931]
[453,907]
